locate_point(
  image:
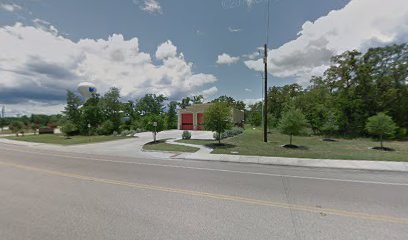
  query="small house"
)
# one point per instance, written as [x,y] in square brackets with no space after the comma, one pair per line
[192,117]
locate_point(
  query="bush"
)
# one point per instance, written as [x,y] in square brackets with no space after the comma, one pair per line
[69,129]
[128,133]
[106,128]
[17,127]
[186,135]
[228,133]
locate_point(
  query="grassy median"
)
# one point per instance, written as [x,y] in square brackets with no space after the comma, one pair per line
[251,143]
[161,145]
[62,140]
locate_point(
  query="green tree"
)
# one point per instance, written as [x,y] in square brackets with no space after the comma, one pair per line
[292,123]
[72,110]
[154,124]
[150,104]
[111,107]
[69,128]
[171,116]
[330,125]
[39,120]
[106,128]
[198,99]
[381,125]
[91,116]
[185,102]
[254,115]
[3,123]
[17,127]
[230,101]
[217,118]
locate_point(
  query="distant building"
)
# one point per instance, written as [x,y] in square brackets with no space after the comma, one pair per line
[3,111]
[192,117]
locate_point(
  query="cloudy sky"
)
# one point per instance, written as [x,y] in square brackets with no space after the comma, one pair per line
[179,47]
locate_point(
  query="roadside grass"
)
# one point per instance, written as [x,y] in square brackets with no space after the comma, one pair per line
[251,143]
[161,145]
[60,139]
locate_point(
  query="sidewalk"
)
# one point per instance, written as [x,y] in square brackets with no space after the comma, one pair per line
[133,148]
[204,154]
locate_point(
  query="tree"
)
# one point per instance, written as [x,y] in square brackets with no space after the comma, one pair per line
[111,106]
[185,102]
[217,118]
[230,101]
[17,127]
[154,124]
[171,116]
[330,125]
[292,123]
[91,116]
[106,128]
[39,120]
[198,99]
[3,123]
[381,125]
[69,128]
[72,109]
[150,104]
[254,115]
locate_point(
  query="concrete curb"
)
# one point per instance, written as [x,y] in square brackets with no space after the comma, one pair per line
[303,162]
[204,154]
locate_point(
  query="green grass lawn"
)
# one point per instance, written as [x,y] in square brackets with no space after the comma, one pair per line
[251,143]
[161,145]
[60,139]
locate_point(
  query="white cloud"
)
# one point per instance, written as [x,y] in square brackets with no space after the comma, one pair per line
[209,92]
[359,25]
[251,101]
[226,59]
[38,66]
[10,7]
[251,56]
[247,90]
[151,6]
[166,50]
[45,26]
[234,29]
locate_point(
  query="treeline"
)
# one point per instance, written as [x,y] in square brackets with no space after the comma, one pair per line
[33,122]
[355,87]
[104,115]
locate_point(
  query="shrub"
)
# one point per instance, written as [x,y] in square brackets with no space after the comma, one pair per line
[69,129]
[228,133]
[17,127]
[186,135]
[106,128]
[128,133]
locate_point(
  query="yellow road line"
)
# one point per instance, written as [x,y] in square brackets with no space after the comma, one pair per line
[303,208]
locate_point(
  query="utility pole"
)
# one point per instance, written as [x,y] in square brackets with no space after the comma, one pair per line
[265,107]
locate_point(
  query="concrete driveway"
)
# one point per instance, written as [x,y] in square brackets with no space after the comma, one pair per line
[131,147]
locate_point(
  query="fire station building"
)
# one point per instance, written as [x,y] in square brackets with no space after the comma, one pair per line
[192,117]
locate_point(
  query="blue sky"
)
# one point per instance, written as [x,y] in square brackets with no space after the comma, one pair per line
[52,45]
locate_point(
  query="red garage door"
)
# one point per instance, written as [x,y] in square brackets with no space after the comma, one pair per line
[187,121]
[200,121]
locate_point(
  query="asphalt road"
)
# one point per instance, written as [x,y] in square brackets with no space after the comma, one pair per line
[52,195]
